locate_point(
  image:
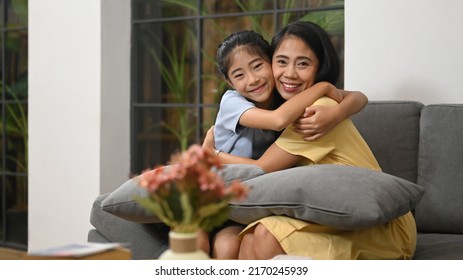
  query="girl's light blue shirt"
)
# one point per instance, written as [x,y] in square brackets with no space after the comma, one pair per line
[233,138]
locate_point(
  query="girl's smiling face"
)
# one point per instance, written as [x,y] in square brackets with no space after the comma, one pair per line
[294,66]
[251,75]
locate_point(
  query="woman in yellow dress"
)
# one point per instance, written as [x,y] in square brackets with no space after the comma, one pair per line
[303,56]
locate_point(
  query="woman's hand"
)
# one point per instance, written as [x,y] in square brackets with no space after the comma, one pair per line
[209,139]
[317,121]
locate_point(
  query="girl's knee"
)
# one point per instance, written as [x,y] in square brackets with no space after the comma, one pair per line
[203,242]
[226,250]
[226,243]
[246,251]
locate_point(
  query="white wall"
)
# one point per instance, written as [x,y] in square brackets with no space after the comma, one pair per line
[79,53]
[405,49]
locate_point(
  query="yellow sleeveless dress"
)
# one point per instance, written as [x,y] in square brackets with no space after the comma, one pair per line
[345,146]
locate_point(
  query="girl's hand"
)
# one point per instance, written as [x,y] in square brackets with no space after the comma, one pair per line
[209,139]
[317,121]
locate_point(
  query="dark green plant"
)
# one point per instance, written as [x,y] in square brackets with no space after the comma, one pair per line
[255,20]
[172,64]
[16,127]
[330,20]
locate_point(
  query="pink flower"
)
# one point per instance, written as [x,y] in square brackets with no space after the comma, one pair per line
[189,187]
[238,190]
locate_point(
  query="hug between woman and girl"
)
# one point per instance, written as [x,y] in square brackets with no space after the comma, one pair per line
[289,85]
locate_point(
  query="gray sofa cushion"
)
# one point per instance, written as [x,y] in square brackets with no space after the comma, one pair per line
[391,129]
[122,202]
[440,169]
[439,246]
[145,241]
[344,197]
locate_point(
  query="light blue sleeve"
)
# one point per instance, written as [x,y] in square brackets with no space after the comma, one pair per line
[232,106]
[229,136]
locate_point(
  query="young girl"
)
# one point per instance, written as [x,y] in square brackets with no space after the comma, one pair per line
[302,56]
[243,127]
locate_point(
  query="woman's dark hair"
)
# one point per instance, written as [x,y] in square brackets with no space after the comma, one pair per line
[319,41]
[251,40]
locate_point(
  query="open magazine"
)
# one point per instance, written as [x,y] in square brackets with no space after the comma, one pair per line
[76,250]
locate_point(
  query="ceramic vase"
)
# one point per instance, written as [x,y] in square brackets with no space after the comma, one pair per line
[182,246]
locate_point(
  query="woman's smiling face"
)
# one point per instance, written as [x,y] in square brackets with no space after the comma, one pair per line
[294,66]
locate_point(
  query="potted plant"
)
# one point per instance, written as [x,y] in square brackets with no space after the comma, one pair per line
[189,195]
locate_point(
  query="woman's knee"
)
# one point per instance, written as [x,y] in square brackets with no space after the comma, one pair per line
[266,246]
[261,233]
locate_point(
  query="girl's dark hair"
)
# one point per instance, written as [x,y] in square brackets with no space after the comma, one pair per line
[251,40]
[319,41]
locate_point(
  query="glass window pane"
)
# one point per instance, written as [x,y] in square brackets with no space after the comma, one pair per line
[208,119]
[297,4]
[2,230]
[2,128]
[237,6]
[167,72]
[16,209]
[332,20]
[17,13]
[13,121]
[154,9]
[2,170]
[2,16]
[15,124]
[2,89]
[161,131]
[2,176]
[16,63]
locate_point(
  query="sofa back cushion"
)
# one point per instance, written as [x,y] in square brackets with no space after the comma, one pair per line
[440,169]
[391,129]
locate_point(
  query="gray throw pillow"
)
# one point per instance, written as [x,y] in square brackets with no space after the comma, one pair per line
[122,202]
[344,197]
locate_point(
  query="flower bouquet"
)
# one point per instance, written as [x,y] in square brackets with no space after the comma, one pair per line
[189,194]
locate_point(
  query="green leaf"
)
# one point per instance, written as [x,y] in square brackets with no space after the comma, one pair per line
[217,220]
[212,208]
[186,207]
[213,215]
[154,208]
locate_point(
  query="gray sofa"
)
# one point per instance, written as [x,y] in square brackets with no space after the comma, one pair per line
[419,147]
